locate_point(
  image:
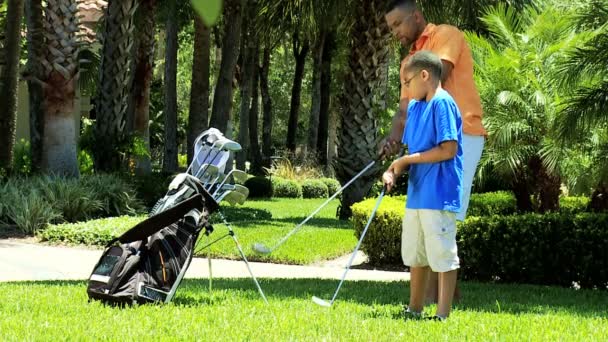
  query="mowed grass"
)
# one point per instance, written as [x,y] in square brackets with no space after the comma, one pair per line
[364,311]
[322,238]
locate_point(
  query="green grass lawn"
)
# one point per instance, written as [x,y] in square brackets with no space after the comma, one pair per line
[365,311]
[323,237]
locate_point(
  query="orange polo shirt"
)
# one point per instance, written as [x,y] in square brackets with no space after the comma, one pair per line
[449,44]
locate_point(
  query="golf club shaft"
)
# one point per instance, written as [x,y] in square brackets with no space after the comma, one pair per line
[352,257]
[293,231]
[238,246]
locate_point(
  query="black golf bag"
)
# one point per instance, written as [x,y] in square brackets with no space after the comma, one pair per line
[148,262]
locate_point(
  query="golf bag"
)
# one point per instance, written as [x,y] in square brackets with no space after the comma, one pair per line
[148,262]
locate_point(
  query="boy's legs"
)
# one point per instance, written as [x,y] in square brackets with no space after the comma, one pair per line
[472,147]
[442,253]
[414,255]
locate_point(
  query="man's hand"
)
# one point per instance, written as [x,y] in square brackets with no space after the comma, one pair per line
[388,148]
[389,178]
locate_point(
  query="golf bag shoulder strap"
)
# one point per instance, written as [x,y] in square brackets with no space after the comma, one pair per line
[157,222]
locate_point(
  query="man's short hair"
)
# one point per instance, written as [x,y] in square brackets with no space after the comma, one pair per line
[425,60]
[408,5]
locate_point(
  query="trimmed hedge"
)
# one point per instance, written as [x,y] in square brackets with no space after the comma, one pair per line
[96,232]
[314,188]
[492,203]
[556,248]
[332,185]
[259,187]
[289,188]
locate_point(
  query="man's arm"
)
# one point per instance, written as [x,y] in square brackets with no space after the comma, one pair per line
[446,70]
[391,144]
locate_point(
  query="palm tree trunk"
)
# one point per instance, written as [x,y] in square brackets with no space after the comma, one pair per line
[254,112]
[61,67]
[143,73]
[315,110]
[248,65]
[199,95]
[9,83]
[222,99]
[599,198]
[35,46]
[323,134]
[114,92]
[267,105]
[170,110]
[299,53]
[547,186]
[363,88]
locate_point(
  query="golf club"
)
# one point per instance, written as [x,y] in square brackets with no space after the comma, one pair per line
[261,248]
[224,145]
[325,303]
[237,175]
[228,188]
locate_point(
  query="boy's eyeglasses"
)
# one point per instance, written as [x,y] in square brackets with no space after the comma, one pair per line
[407,82]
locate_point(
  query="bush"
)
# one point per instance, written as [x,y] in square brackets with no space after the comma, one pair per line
[573,205]
[259,187]
[555,248]
[75,201]
[96,232]
[332,185]
[26,208]
[314,188]
[150,188]
[116,196]
[286,188]
[492,203]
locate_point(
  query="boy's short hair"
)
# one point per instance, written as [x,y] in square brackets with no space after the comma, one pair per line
[425,60]
[409,5]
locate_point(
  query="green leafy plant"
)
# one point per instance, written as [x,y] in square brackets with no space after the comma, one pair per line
[314,188]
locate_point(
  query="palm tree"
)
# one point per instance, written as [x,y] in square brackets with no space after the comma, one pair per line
[584,76]
[222,98]
[170,110]
[369,55]
[514,72]
[143,73]
[113,96]
[34,70]
[8,82]
[60,64]
[198,119]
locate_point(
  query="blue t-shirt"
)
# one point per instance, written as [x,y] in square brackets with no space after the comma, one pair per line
[435,186]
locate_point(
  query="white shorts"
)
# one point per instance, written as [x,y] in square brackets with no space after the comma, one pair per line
[472,147]
[428,238]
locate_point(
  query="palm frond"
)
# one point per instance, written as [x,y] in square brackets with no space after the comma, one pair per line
[584,110]
[586,61]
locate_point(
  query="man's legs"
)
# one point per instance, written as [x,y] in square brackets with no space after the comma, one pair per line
[472,147]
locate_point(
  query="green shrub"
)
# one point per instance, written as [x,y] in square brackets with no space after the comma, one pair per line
[259,187]
[241,214]
[286,188]
[492,203]
[95,232]
[314,188]
[22,160]
[117,197]
[69,197]
[332,185]
[150,188]
[573,205]
[29,211]
[555,248]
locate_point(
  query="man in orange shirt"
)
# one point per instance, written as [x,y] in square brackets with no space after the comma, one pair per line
[408,25]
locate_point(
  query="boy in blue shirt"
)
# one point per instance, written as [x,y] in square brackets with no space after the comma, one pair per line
[433,136]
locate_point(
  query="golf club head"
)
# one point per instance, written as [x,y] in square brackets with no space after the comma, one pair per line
[177,181]
[321,302]
[234,197]
[205,171]
[228,145]
[261,248]
[239,176]
[242,189]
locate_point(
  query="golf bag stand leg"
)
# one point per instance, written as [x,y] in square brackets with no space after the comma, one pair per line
[238,246]
[209,261]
